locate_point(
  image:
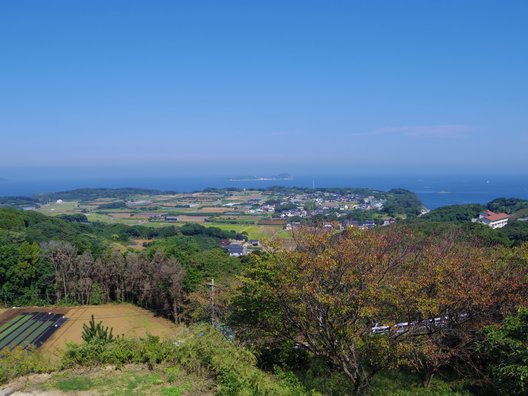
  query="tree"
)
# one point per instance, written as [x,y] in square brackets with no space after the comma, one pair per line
[327,295]
[363,301]
[61,255]
[506,347]
[96,332]
[508,205]
[170,281]
[454,213]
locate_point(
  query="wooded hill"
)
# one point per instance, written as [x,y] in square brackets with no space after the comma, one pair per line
[47,260]
[460,216]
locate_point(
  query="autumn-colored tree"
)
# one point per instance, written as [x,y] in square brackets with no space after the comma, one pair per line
[365,301]
[453,291]
[326,296]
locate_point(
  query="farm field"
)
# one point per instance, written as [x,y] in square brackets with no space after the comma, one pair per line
[123,318]
[54,209]
[253,231]
[192,219]
[193,208]
[131,221]
[26,327]
[49,329]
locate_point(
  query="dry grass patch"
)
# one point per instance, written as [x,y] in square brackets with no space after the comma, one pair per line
[192,219]
[125,319]
[212,209]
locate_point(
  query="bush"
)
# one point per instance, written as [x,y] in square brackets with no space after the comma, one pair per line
[207,352]
[149,350]
[21,362]
[97,332]
[233,366]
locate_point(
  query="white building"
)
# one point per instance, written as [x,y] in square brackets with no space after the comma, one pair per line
[493,220]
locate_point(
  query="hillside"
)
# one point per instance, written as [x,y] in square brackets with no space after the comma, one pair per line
[202,362]
[277,321]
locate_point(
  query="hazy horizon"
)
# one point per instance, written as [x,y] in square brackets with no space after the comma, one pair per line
[175,172]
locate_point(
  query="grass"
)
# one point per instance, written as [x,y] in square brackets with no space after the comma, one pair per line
[253,231]
[133,379]
[75,383]
[400,383]
[55,209]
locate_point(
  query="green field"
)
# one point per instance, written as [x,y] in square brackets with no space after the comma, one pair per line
[247,224]
[54,209]
[253,231]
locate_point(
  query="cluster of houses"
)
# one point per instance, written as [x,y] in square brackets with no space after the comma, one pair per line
[362,225]
[321,202]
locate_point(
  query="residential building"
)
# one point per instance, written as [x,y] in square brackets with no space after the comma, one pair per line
[235,250]
[492,219]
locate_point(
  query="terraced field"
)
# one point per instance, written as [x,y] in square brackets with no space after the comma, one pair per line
[29,329]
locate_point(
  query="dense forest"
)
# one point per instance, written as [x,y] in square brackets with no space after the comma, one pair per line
[53,260]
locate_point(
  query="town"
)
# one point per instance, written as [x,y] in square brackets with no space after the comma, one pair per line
[259,214]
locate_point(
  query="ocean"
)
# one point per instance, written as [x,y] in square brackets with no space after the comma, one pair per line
[433,190]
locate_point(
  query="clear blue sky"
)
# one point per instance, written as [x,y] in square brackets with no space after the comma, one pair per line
[184,87]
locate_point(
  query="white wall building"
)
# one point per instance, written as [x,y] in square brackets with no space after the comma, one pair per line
[493,220]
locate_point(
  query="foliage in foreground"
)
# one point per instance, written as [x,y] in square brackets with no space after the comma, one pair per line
[209,360]
[506,346]
[366,302]
[20,362]
[207,353]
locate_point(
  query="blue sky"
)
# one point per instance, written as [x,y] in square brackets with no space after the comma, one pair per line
[183,87]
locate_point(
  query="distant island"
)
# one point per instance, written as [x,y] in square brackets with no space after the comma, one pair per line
[280,176]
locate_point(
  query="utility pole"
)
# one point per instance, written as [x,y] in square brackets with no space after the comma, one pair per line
[212,286]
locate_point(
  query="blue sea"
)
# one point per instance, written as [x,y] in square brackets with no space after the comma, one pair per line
[433,190]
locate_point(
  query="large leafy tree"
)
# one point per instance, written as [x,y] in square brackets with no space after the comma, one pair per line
[341,296]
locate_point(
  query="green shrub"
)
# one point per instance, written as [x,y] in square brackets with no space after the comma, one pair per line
[172,374]
[93,332]
[401,383]
[21,362]
[318,376]
[148,350]
[233,366]
[207,353]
